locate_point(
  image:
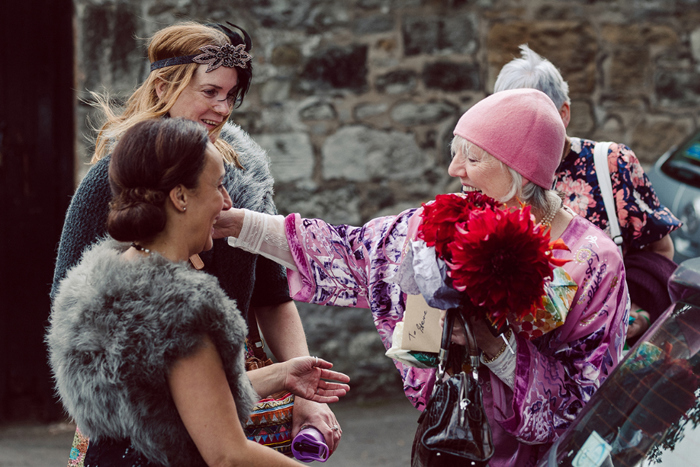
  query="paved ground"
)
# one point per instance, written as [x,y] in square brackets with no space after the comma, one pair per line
[377,433]
[35,445]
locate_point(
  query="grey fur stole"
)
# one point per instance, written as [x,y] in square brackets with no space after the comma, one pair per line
[117,327]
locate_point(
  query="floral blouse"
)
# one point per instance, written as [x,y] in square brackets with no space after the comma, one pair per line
[643,220]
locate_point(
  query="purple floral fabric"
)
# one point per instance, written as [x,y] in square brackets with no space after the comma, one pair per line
[555,374]
[643,220]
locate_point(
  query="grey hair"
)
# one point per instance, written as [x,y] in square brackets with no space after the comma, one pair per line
[530,194]
[533,71]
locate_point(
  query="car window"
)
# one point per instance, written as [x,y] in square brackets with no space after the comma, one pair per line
[648,410]
[684,163]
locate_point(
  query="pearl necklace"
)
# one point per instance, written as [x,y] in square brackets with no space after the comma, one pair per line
[552,209]
[140,248]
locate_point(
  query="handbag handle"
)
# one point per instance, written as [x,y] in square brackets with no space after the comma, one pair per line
[472,348]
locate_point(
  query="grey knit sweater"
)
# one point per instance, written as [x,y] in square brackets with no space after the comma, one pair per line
[116,328]
[247,278]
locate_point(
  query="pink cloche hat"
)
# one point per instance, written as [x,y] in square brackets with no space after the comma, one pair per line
[520,127]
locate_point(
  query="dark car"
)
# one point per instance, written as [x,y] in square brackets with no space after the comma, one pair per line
[647,412]
[676,180]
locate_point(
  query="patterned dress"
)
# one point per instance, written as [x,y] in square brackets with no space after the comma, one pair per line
[556,374]
[643,220]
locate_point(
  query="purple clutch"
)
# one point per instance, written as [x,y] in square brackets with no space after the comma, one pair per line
[309,445]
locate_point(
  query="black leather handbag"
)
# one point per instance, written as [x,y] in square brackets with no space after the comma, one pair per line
[453,430]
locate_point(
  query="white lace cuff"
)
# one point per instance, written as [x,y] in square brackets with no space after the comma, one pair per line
[504,365]
[263,235]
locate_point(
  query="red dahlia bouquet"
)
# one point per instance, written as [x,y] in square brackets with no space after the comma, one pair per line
[442,216]
[496,257]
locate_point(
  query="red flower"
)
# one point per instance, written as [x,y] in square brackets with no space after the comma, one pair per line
[441,217]
[501,262]
[496,255]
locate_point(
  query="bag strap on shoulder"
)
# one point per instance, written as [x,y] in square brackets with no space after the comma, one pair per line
[600,160]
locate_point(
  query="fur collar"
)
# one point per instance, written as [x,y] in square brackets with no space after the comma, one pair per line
[252,187]
[116,328]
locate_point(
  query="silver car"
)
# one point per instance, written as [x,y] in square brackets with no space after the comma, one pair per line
[676,180]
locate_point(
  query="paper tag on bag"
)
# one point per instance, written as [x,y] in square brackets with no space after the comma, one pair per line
[421,329]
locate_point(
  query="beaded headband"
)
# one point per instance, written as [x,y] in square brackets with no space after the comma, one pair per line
[214,56]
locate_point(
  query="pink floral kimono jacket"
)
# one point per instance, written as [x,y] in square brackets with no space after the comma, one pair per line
[556,374]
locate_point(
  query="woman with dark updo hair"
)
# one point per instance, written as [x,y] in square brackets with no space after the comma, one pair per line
[147,352]
[139,187]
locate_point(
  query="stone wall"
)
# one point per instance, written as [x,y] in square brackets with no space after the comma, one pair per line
[355,100]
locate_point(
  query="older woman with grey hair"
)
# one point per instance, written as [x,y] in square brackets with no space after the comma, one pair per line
[644,223]
[507,146]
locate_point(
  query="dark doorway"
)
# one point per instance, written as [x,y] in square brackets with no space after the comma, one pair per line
[36,181]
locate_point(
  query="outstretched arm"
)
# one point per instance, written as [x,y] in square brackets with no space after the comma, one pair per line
[303,376]
[229,223]
[258,233]
[284,335]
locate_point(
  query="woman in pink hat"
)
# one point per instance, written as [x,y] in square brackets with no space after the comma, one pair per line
[507,146]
